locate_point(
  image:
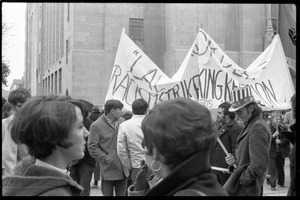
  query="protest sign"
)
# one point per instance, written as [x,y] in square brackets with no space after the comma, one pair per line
[206,75]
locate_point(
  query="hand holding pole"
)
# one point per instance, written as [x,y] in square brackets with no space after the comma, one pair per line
[225,150]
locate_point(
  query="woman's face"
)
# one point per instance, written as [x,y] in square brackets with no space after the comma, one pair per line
[76,137]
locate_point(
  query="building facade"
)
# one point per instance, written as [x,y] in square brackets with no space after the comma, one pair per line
[72,46]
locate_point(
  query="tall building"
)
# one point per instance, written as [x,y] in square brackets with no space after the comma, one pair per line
[72,46]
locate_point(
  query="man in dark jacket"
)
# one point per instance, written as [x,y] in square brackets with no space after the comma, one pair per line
[95,113]
[252,148]
[291,136]
[278,152]
[228,133]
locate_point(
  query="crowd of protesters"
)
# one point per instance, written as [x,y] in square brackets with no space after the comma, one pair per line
[53,145]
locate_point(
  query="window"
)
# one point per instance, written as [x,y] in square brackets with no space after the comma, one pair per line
[55,83]
[59,79]
[44,87]
[49,85]
[68,12]
[52,83]
[136,30]
[274,17]
[67,50]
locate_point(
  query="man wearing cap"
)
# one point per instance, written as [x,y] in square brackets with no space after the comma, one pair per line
[252,147]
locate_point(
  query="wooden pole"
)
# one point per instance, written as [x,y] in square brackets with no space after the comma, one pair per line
[225,150]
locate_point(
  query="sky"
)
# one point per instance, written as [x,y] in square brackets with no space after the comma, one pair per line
[13,51]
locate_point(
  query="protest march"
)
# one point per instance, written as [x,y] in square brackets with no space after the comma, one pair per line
[143,99]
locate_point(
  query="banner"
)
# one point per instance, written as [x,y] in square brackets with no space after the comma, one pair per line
[135,76]
[207,75]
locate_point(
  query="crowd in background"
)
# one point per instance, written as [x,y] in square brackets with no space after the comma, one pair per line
[173,149]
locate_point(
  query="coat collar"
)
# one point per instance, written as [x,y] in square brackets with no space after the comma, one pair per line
[248,127]
[195,165]
[225,127]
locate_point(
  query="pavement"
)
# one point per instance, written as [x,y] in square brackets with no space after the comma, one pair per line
[279,191]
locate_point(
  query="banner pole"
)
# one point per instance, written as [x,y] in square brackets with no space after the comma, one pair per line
[225,150]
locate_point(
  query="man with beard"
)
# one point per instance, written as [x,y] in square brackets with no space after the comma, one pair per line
[228,133]
[252,147]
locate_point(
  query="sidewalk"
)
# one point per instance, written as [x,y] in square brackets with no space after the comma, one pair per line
[279,191]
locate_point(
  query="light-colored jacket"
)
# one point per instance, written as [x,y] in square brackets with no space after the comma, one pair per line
[129,143]
[12,153]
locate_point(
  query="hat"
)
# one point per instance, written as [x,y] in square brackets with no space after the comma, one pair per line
[241,97]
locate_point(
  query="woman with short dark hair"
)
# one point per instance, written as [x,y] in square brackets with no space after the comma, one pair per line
[52,129]
[178,136]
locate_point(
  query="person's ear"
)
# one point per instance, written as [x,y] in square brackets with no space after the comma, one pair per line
[157,156]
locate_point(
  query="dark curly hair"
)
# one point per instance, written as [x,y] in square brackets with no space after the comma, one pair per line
[178,129]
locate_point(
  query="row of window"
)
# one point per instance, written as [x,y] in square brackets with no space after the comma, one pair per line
[136,30]
[53,83]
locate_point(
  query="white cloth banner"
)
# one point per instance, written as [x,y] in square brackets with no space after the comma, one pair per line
[207,74]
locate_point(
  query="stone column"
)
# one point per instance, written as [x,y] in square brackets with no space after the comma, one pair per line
[269,28]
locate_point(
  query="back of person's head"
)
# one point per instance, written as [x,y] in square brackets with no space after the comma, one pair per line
[127,115]
[139,107]
[18,95]
[112,104]
[178,129]
[45,122]
[95,109]
[293,104]
[84,107]
[6,110]
[88,104]
[226,105]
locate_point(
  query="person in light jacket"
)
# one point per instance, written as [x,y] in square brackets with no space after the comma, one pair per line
[130,137]
[13,153]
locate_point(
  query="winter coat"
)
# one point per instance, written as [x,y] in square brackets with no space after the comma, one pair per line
[12,153]
[129,144]
[284,146]
[292,138]
[252,153]
[193,177]
[102,145]
[28,179]
[228,135]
